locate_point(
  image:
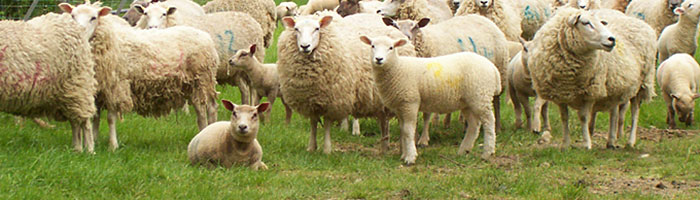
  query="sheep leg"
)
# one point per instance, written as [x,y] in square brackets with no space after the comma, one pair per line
[244,89]
[585,115]
[408,129]
[42,123]
[355,126]
[470,134]
[211,110]
[635,119]
[514,98]
[591,125]
[497,111]
[545,116]
[487,119]
[287,111]
[523,102]
[536,126]
[267,114]
[344,124]
[77,140]
[612,129]
[670,115]
[327,137]
[621,119]
[96,125]
[448,120]
[312,137]
[402,146]
[564,115]
[89,140]
[112,121]
[200,110]
[436,118]
[384,126]
[425,136]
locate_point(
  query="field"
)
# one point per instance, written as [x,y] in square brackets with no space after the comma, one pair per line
[37,163]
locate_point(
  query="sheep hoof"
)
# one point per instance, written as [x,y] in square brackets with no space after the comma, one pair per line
[326,151]
[545,138]
[629,146]
[612,146]
[422,143]
[311,149]
[486,156]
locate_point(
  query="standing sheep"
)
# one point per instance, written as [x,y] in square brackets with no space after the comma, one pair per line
[263,11]
[46,69]
[148,71]
[313,6]
[568,67]
[471,33]
[681,37]
[679,77]
[228,143]
[323,74]
[534,13]
[285,9]
[263,78]
[501,12]
[657,13]
[185,7]
[520,90]
[436,10]
[230,30]
[349,7]
[462,81]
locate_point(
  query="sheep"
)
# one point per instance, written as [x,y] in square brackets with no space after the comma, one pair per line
[657,13]
[568,67]
[148,71]
[313,6]
[263,11]
[349,7]
[620,5]
[520,89]
[263,77]
[454,5]
[288,8]
[436,10]
[185,7]
[462,81]
[584,4]
[323,74]
[502,13]
[473,33]
[231,31]
[230,142]
[681,37]
[534,13]
[46,69]
[679,77]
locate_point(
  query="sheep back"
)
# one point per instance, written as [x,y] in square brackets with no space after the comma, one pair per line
[504,15]
[654,12]
[263,11]
[436,10]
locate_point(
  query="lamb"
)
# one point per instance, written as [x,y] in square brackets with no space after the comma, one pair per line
[505,16]
[230,30]
[520,90]
[263,77]
[681,37]
[185,7]
[147,71]
[323,74]
[679,77]
[228,143]
[657,13]
[462,81]
[436,10]
[620,5]
[568,67]
[288,8]
[52,77]
[263,11]
[313,6]
[349,7]
[472,33]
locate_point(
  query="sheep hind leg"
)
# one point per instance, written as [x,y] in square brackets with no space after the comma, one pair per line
[497,112]
[312,138]
[487,119]
[612,129]
[96,125]
[200,109]
[585,115]
[327,149]
[287,110]
[384,126]
[425,136]
[517,109]
[525,104]
[635,120]
[621,119]
[471,132]
[77,139]
[211,110]
[42,123]
[112,121]
[447,120]
[356,126]
[536,126]
[564,115]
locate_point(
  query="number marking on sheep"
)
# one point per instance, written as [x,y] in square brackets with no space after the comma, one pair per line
[38,77]
[484,51]
[530,14]
[230,41]
[639,15]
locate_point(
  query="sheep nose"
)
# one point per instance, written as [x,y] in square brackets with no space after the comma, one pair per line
[379,60]
[483,2]
[611,39]
[674,5]
[379,12]
[151,27]
[582,7]
[230,62]
[242,127]
[305,46]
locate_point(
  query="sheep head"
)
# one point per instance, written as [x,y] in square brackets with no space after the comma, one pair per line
[243,57]
[688,10]
[307,30]
[684,105]
[244,120]
[409,28]
[155,15]
[86,15]
[383,49]
[590,30]
[390,7]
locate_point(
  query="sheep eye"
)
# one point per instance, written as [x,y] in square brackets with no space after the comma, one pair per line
[585,23]
[296,29]
[391,48]
[163,14]
[317,28]
[604,22]
[93,18]
[690,5]
[373,46]
[255,115]
[244,54]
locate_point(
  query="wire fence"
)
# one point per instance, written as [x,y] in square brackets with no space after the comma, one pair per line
[26,9]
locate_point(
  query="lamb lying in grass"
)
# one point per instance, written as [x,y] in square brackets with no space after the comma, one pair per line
[227,143]
[679,77]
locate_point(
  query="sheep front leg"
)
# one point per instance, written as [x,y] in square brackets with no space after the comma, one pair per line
[612,129]
[671,114]
[327,136]
[200,109]
[536,126]
[470,133]
[564,115]
[585,115]
[447,121]
[621,119]
[517,109]
[355,126]
[89,140]
[287,111]
[312,138]
[636,102]
[408,129]
[267,114]
[244,89]
[96,125]
[425,136]
[384,126]
[545,116]
[112,121]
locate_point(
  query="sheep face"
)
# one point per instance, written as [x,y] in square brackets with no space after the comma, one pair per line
[483,3]
[156,15]
[383,49]
[684,105]
[243,57]
[132,16]
[592,31]
[409,28]
[370,6]
[688,10]
[348,7]
[673,4]
[389,8]
[583,4]
[244,120]
[307,31]
[86,15]
[456,3]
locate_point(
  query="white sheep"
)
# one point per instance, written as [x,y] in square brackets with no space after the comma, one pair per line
[263,11]
[323,74]
[349,7]
[313,6]
[620,5]
[230,30]
[185,7]
[501,12]
[263,78]
[679,78]
[657,13]
[471,33]
[568,67]
[584,4]
[285,9]
[453,4]
[232,142]
[462,81]
[534,13]
[46,69]
[148,71]
[436,10]
[681,37]
[520,90]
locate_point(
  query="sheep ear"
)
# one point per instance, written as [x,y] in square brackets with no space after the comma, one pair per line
[399,43]
[66,7]
[573,20]
[104,11]
[288,22]
[263,107]
[674,96]
[253,48]
[679,11]
[228,105]
[139,9]
[171,10]
[366,40]
[325,21]
[388,21]
[423,22]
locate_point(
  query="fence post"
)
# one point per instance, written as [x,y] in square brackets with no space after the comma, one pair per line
[119,8]
[31,9]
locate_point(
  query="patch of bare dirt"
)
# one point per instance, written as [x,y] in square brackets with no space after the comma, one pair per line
[374,150]
[656,135]
[504,161]
[642,184]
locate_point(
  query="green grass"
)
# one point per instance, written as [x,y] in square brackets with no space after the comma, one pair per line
[151,163]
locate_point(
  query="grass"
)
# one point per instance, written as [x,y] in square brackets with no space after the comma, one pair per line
[151,163]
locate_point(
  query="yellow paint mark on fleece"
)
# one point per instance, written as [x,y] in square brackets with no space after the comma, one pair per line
[436,68]
[448,80]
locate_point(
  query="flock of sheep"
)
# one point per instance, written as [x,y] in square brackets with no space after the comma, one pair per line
[359,58]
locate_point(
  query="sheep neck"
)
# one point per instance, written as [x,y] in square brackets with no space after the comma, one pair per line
[687,27]
[254,69]
[238,142]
